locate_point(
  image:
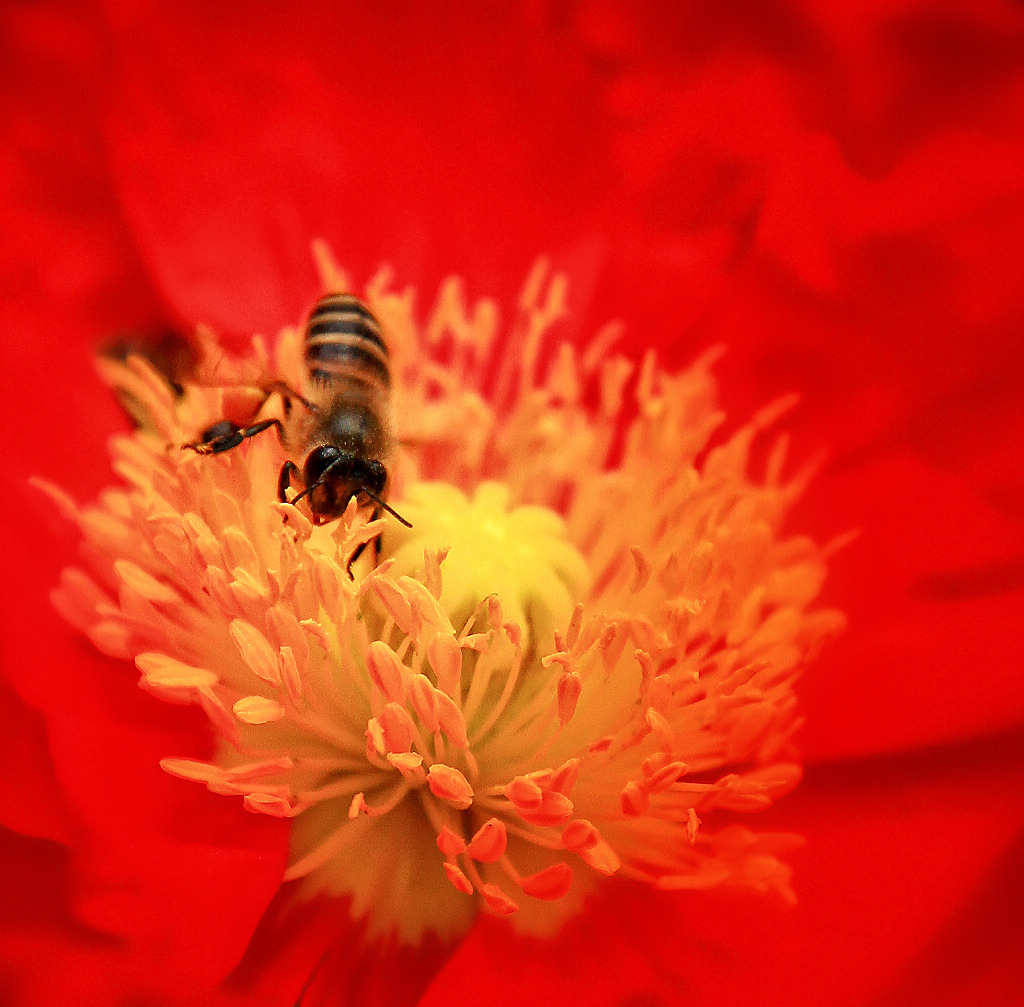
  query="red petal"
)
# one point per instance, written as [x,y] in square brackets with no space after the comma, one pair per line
[30,797]
[316,947]
[72,276]
[930,589]
[975,958]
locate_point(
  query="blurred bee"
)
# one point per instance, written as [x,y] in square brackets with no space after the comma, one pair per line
[167,351]
[342,425]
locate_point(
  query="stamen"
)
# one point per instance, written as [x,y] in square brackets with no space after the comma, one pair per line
[448,784]
[488,845]
[550,884]
[580,657]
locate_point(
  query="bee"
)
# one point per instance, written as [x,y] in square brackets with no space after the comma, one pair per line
[342,425]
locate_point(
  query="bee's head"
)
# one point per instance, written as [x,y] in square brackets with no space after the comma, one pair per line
[333,477]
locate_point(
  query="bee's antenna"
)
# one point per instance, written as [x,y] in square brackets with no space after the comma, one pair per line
[298,496]
[373,496]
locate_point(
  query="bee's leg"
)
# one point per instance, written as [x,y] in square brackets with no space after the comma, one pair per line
[374,542]
[289,393]
[284,480]
[225,435]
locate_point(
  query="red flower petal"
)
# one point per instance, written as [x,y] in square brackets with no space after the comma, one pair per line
[313,950]
[932,588]
[30,796]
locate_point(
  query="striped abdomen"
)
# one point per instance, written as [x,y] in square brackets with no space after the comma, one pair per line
[343,340]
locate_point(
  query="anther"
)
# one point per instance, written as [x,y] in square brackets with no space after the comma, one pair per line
[569,688]
[488,845]
[633,800]
[448,784]
[445,657]
[580,835]
[449,843]
[458,878]
[497,900]
[549,884]
[386,671]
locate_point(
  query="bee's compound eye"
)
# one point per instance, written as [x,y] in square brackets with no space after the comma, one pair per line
[319,460]
[376,476]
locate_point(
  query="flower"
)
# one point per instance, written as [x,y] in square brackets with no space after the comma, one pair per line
[575,661]
[833,194]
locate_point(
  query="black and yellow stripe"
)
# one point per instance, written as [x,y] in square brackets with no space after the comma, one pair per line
[343,340]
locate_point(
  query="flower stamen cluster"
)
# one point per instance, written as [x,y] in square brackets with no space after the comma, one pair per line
[578,662]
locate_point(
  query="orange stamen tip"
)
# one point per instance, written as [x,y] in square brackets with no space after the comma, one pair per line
[549,884]
[445,657]
[661,727]
[451,720]
[554,809]
[497,900]
[663,778]
[160,671]
[643,568]
[488,845]
[386,671]
[257,710]
[633,800]
[602,858]
[564,778]
[580,835]
[397,728]
[494,614]
[458,879]
[569,687]
[450,844]
[653,763]
[268,804]
[395,602]
[409,764]
[448,784]
[524,793]
[375,744]
[425,702]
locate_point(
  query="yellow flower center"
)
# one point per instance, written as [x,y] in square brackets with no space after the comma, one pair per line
[521,554]
[578,661]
